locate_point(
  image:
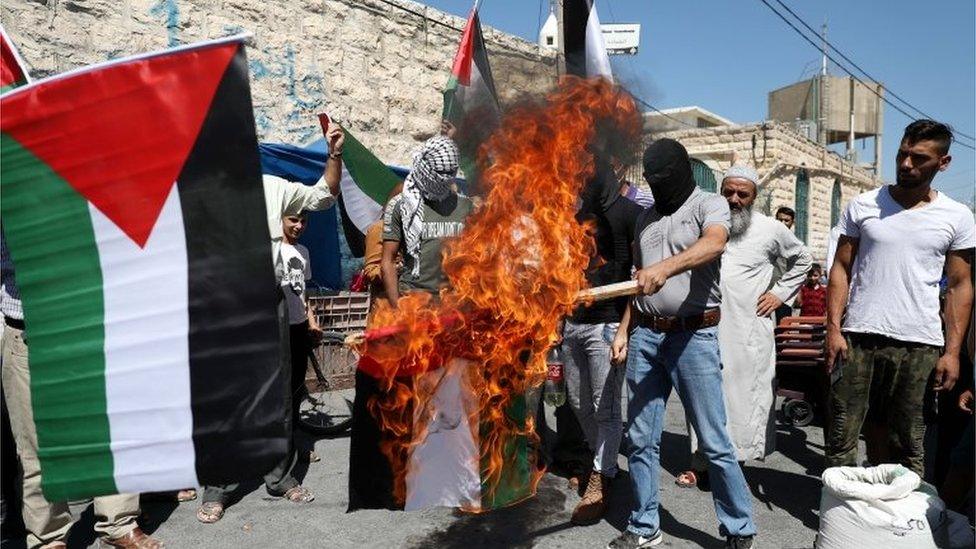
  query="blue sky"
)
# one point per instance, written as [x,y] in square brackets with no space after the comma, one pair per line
[727,55]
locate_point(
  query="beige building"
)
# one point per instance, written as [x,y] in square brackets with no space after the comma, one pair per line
[796,171]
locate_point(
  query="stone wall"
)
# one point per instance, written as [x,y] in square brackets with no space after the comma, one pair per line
[778,153]
[372,64]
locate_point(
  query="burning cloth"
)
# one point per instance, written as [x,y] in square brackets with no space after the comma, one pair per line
[449,374]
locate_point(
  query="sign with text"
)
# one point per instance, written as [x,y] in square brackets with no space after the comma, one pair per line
[621,38]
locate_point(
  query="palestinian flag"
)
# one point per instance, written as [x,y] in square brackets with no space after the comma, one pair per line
[445,466]
[366,184]
[134,212]
[586,53]
[470,101]
[13,70]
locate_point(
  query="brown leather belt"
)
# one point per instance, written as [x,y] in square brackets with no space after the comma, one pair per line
[678,323]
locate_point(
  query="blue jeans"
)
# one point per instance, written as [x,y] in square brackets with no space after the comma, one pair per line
[688,361]
[593,388]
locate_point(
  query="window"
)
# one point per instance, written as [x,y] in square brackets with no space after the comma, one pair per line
[704,176]
[835,195]
[802,193]
[549,40]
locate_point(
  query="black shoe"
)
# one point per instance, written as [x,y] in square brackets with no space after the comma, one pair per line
[630,540]
[739,542]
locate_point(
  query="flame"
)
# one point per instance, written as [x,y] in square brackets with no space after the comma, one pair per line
[513,274]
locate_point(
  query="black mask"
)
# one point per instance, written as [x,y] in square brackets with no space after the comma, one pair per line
[667,171]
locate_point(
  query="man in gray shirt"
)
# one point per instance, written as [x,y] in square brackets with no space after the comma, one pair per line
[669,339]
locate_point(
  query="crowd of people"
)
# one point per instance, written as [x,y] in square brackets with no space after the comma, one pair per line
[715,277]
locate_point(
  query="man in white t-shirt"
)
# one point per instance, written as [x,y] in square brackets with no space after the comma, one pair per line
[895,243]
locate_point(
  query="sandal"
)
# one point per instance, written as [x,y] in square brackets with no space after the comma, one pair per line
[689,478]
[184,496]
[299,494]
[210,512]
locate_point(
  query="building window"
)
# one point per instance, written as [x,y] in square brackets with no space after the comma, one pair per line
[835,204]
[802,199]
[549,40]
[704,176]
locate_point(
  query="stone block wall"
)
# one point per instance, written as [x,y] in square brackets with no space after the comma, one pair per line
[377,66]
[778,153]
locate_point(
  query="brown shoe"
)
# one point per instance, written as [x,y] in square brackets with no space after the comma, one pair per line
[136,539]
[591,508]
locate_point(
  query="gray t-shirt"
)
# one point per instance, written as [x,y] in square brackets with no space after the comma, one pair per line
[437,228]
[662,236]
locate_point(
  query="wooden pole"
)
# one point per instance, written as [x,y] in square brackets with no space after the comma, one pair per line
[598,293]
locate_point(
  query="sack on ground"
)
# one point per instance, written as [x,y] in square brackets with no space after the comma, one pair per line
[885,506]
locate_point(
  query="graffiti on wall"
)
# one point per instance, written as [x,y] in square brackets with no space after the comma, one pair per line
[303,91]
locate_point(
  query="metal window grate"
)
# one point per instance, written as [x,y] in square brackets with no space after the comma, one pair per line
[835,195]
[802,194]
[704,176]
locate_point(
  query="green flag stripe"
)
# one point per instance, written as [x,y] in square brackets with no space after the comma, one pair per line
[372,176]
[515,483]
[45,218]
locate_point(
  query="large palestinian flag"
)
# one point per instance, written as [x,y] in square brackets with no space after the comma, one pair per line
[470,101]
[13,70]
[586,52]
[134,212]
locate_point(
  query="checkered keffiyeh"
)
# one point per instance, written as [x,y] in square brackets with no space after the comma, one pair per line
[9,293]
[435,166]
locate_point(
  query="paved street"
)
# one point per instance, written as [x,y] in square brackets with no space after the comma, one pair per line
[786,492]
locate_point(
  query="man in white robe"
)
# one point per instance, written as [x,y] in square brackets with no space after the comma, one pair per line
[750,295]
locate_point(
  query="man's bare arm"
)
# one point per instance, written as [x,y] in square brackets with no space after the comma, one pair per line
[958,308]
[838,288]
[388,270]
[336,138]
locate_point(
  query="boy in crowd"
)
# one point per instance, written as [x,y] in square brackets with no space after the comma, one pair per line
[812,300]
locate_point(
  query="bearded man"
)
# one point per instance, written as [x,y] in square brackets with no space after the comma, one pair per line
[750,295]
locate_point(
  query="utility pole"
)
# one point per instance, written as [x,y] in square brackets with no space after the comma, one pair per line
[823,89]
[557,5]
[850,133]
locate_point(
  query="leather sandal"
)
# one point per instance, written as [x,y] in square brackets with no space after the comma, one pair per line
[299,494]
[688,479]
[136,539]
[210,512]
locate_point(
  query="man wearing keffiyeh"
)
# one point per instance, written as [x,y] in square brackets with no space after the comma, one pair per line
[417,221]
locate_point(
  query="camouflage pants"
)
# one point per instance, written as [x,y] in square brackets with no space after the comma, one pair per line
[882,388]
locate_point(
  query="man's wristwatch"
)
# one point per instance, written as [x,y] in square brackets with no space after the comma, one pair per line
[335,155]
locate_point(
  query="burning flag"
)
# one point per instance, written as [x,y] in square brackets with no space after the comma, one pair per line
[470,101]
[134,212]
[453,374]
[13,70]
[586,52]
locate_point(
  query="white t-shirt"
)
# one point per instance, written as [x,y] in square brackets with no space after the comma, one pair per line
[900,259]
[296,271]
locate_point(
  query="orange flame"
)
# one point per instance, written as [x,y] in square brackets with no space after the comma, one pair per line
[514,273]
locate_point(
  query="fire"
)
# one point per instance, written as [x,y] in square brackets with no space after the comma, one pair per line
[514,273]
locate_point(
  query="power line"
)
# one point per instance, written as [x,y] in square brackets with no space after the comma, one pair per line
[864,72]
[845,69]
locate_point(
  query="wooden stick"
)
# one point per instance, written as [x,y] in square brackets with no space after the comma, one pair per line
[598,293]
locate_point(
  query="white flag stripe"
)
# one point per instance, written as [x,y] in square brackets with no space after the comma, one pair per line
[445,468]
[597,60]
[147,370]
[362,210]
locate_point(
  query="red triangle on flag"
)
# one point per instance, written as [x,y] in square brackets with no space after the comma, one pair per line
[465,53]
[120,134]
[10,69]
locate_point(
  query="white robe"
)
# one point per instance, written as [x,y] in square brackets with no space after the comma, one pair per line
[746,340]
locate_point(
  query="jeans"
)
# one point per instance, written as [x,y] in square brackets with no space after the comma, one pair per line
[688,361]
[593,388]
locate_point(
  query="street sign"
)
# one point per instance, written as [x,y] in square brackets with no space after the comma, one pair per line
[621,38]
